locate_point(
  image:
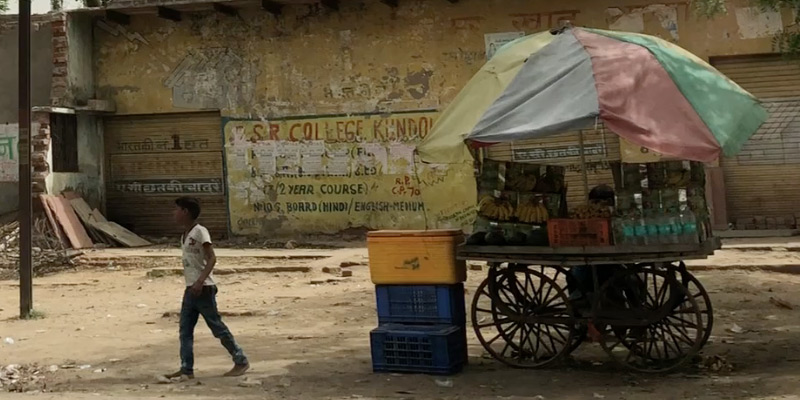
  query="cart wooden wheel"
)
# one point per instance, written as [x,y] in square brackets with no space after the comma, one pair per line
[657,324]
[699,293]
[523,318]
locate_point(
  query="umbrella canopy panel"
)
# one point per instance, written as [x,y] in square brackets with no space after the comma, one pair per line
[646,90]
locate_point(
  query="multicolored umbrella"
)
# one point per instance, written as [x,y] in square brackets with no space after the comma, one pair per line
[647,90]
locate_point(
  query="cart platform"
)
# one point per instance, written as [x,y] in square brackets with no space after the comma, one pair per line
[590,255]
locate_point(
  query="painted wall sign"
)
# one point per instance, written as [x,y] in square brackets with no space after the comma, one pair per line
[170,186]
[9,153]
[328,174]
[557,152]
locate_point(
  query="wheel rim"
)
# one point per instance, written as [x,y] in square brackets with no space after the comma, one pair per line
[502,318]
[698,292]
[675,333]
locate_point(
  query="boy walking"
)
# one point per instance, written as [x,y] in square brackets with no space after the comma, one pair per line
[199,298]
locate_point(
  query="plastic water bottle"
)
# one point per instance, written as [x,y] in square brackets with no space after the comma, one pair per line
[640,230]
[689,227]
[651,221]
[664,229]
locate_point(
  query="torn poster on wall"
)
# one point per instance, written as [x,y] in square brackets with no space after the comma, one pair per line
[327,174]
[9,157]
[494,41]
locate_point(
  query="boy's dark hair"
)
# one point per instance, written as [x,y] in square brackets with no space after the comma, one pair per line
[189,204]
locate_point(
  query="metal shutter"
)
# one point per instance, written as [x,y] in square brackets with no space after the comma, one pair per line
[762,181]
[153,159]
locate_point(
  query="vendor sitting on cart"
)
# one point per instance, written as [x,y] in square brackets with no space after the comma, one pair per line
[580,281]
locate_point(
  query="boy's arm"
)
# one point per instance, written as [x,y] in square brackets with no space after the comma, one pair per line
[210,259]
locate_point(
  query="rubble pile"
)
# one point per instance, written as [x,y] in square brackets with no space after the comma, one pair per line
[22,378]
[49,255]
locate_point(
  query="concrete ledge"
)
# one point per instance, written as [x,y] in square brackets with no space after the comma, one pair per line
[162,272]
[756,233]
[793,269]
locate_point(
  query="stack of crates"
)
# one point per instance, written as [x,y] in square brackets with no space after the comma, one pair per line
[420,300]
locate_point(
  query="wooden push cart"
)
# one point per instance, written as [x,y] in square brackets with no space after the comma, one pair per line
[650,314]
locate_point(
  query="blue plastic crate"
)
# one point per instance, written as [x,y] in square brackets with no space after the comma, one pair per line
[430,349]
[421,304]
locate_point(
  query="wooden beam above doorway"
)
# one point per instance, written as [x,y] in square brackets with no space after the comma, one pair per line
[272,7]
[332,4]
[118,17]
[169,13]
[226,9]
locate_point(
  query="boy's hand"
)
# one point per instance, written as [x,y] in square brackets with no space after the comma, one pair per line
[196,289]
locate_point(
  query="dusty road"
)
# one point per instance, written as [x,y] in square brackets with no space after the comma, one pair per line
[311,341]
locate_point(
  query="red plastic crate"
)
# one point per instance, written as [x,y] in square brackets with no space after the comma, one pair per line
[579,232]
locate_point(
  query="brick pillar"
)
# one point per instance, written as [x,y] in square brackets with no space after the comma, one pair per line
[59,84]
[40,139]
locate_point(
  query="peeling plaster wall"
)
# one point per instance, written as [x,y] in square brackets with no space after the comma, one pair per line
[41,70]
[312,62]
[363,58]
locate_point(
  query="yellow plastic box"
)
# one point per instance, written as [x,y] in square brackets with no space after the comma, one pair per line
[415,257]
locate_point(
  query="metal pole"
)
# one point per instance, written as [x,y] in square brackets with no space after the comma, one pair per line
[583,167]
[25,186]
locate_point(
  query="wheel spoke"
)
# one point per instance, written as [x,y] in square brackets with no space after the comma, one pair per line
[494,323]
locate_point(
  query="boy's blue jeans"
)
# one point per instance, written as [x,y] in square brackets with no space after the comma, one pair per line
[205,305]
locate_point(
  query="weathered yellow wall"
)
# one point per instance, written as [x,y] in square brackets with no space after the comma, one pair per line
[365,58]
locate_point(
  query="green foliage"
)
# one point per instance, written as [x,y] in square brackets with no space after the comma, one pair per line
[709,8]
[786,42]
[3,5]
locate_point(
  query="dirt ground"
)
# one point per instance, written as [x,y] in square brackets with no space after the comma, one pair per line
[110,328]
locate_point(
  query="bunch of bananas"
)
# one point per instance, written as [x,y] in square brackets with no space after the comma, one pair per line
[590,211]
[521,182]
[495,208]
[532,213]
[679,178]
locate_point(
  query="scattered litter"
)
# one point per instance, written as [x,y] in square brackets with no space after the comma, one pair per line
[41,330]
[156,330]
[52,368]
[249,382]
[114,360]
[86,366]
[291,245]
[141,306]
[538,397]
[99,370]
[736,329]
[771,318]
[444,383]
[22,379]
[285,382]
[598,396]
[9,340]
[716,364]
[475,267]
[781,303]
[163,379]
[274,313]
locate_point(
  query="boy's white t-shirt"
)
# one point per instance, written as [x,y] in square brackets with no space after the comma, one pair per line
[193,260]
